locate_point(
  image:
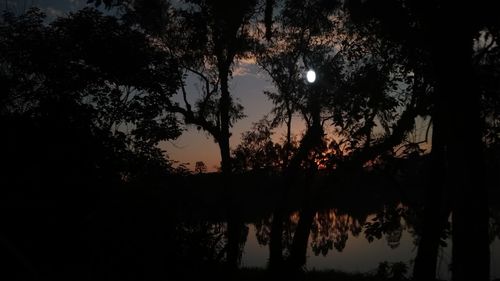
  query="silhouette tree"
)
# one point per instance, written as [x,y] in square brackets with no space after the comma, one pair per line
[226,27]
[66,87]
[200,167]
[444,33]
[285,66]
[81,126]
[281,58]
[214,35]
[257,151]
[387,221]
[358,88]
[331,229]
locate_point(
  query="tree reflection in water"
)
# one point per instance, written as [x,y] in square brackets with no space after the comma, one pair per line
[331,228]
[209,237]
[395,225]
[263,232]
[388,221]
[494,224]
[204,242]
[398,224]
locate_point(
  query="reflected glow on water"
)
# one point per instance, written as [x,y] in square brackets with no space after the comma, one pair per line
[254,254]
[358,254]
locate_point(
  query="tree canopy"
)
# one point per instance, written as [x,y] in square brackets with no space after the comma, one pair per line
[70,98]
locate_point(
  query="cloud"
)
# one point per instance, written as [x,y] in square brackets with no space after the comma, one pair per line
[53,13]
[241,70]
[244,66]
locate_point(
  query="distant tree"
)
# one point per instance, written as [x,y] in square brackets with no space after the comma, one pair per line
[200,167]
[257,151]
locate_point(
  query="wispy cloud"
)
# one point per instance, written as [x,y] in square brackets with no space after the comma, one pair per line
[245,66]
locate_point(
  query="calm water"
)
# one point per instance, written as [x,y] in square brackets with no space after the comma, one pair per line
[358,254]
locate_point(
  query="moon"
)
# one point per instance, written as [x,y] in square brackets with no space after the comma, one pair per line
[311,76]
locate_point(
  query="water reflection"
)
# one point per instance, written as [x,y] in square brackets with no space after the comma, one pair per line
[391,221]
[331,229]
[209,237]
[360,242]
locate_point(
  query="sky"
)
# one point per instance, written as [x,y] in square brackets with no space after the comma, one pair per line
[52,8]
[247,87]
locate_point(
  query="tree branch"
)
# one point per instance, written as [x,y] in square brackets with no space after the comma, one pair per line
[402,127]
[190,118]
[208,92]
[184,97]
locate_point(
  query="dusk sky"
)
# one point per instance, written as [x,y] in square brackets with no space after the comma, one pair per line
[247,87]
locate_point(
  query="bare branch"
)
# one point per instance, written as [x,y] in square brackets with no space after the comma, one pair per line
[184,97]
[202,76]
[190,118]
[207,98]
[427,130]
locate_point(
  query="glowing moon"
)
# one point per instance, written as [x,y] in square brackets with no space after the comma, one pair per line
[311,76]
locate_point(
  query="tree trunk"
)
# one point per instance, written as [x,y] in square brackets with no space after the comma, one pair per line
[298,251]
[470,208]
[224,107]
[235,225]
[436,208]
[279,215]
[456,84]
[312,140]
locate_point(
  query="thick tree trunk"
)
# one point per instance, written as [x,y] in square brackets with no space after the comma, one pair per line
[456,84]
[457,114]
[235,225]
[470,208]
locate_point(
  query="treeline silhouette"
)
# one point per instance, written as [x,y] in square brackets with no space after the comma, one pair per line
[87,98]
